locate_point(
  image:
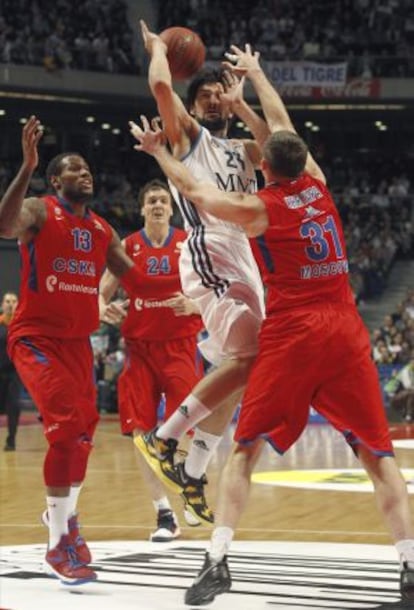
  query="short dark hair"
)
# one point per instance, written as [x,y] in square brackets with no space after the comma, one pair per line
[286,153]
[203,77]
[152,185]
[54,167]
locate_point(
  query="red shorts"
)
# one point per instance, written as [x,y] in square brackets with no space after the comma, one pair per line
[153,368]
[59,376]
[319,357]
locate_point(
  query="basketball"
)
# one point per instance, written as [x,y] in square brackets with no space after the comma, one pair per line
[185,51]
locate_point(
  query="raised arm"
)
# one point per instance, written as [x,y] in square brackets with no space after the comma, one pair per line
[21,217]
[258,127]
[179,125]
[277,116]
[246,210]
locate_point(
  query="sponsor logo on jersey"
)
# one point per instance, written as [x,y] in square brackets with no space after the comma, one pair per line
[310,212]
[303,198]
[74,266]
[343,479]
[51,282]
[234,182]
[141,304]
[65,287]
[53,285]
[136,250]
[58,213]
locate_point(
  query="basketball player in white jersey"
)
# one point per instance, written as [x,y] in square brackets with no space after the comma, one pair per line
[225,283]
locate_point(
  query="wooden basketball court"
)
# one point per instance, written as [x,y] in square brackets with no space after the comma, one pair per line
[315,494]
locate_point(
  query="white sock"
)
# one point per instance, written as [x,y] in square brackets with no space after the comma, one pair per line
[161,504]
[73,499]
[201,451]
[405,550]
[220,542]
[58,513]
[188,414]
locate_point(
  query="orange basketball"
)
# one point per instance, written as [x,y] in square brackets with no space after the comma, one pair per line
[185,51]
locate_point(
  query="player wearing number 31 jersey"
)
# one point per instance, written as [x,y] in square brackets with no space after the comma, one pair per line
[313,346]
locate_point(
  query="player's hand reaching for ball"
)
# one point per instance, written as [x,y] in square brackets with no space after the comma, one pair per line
[233,90]
[150,38]
[151,137]
[31,134]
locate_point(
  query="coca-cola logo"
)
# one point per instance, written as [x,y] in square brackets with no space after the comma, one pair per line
[357,87]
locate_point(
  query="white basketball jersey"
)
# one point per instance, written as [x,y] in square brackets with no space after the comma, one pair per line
[222,162]
[216,259]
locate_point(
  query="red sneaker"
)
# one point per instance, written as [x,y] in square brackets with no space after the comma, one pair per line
[63,563]
[82,551]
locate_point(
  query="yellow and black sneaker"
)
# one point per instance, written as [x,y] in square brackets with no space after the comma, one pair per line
[159,454]
[192,492]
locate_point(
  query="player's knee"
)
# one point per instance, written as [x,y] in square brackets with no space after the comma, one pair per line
[243,337]
[58,463]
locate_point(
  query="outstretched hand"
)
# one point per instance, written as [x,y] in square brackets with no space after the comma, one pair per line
[242,63]
[150,38]
[233,89]
[31,134]
[151,138]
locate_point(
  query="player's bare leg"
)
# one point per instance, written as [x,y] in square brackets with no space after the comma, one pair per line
[393,502]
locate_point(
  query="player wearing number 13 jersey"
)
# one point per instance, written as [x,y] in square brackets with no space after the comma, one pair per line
[64,247]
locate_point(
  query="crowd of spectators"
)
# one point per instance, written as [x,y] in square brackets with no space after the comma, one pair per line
[61,34]
[375,203]
[393,353]
[375,37]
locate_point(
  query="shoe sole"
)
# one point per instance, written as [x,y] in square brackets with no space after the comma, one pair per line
[161,538]
[190,519]
[155,465]
[68,581]
[188,600]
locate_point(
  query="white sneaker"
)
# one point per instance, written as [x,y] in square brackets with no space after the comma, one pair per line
[167,527]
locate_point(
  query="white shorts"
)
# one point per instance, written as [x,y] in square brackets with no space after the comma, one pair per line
[220,274]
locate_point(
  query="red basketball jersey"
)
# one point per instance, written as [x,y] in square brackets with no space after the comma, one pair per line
[302,254]
[148,317]
[60,272]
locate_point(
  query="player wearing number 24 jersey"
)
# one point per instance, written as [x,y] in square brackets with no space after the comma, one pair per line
[161,346]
